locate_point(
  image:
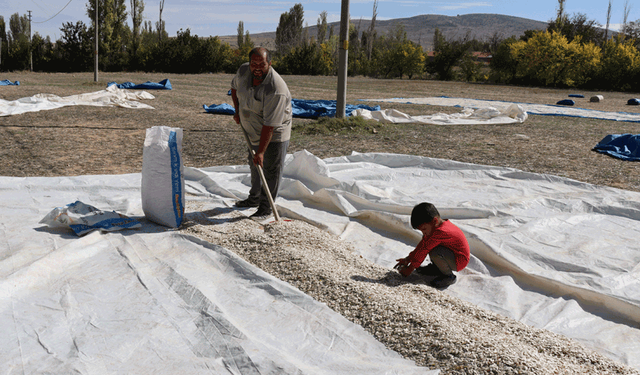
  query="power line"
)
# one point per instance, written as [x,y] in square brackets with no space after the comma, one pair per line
[56,13]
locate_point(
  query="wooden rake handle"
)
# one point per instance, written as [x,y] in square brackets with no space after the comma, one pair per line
[261,173]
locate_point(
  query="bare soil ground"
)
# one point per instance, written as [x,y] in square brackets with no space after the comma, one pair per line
[84,140]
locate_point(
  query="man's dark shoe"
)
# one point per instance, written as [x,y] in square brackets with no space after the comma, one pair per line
[429,270]
[261,214]
[247,203]
[444,281]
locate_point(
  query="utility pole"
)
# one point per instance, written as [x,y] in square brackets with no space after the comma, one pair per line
[160,27]
[343,59]
[30,46]
[95,73]
[0,54]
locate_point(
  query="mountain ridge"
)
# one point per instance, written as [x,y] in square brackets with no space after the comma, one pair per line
[420,29]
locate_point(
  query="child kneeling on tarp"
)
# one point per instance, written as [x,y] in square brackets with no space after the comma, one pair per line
[444,242]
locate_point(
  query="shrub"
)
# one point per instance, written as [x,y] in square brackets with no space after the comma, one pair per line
[548,59]
[620,65]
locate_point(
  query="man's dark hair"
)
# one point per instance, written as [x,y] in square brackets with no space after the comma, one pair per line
[423,213]
[260,51]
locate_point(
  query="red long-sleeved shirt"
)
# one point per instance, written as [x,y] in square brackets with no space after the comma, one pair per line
[447,234]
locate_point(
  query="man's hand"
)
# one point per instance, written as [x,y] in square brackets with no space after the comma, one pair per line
[236,106]
[258,159]
[265,138]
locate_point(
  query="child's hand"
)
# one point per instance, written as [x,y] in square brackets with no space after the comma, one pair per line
[404,267]
[401,263]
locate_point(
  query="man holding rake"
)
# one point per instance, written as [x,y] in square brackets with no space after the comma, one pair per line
[262,104]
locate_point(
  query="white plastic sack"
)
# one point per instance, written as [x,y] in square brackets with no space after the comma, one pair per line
[163,176]
[83,218]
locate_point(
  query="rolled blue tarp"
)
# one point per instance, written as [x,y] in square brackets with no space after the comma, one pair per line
[302,108]
[162,85]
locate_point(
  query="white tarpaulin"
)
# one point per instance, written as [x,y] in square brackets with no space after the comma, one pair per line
[532,109]
[488,115]
[153,301]
[550,252]
[110,97]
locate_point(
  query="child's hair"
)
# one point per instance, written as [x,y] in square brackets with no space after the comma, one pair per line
[423,213]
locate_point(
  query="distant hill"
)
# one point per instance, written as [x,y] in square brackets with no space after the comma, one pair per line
[420,29]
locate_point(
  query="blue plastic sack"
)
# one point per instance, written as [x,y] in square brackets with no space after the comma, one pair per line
[83,218]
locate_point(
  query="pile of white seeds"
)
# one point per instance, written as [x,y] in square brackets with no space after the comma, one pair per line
[422,324]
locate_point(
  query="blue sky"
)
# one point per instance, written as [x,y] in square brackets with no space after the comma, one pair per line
[221,17]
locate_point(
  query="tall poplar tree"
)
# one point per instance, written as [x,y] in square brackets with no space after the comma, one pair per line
[322,27]
[289,30]
[137,10]
[240,34]
[114,33]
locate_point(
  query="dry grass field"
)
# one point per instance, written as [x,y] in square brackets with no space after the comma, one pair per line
[83,140]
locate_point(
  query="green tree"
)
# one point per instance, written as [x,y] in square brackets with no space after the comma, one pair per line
[211,55]
[322,27]
[160,25]
[248,43]
[137,11]
[620,65]
[631,30]
[75,47]
[240,34]
[411,59]
[18,48]
[469,68]
[3,30]
[400,56]
[305,59]
[447,55]
[356,63]
[3,41]
[19,27]
[503,64]
[369,36]
[289,30]
[114,33]
[148,41]
[42,52]
[579,26]
[549,59]
[561,18]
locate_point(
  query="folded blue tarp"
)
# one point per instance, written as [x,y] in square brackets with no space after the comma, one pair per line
[221,109]
[6,82]
[576,96]
[621,146]
[302,108]
[633,101]
[162,85]
[566,102]
[323,108]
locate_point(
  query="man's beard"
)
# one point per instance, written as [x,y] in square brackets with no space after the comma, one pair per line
[258,78]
